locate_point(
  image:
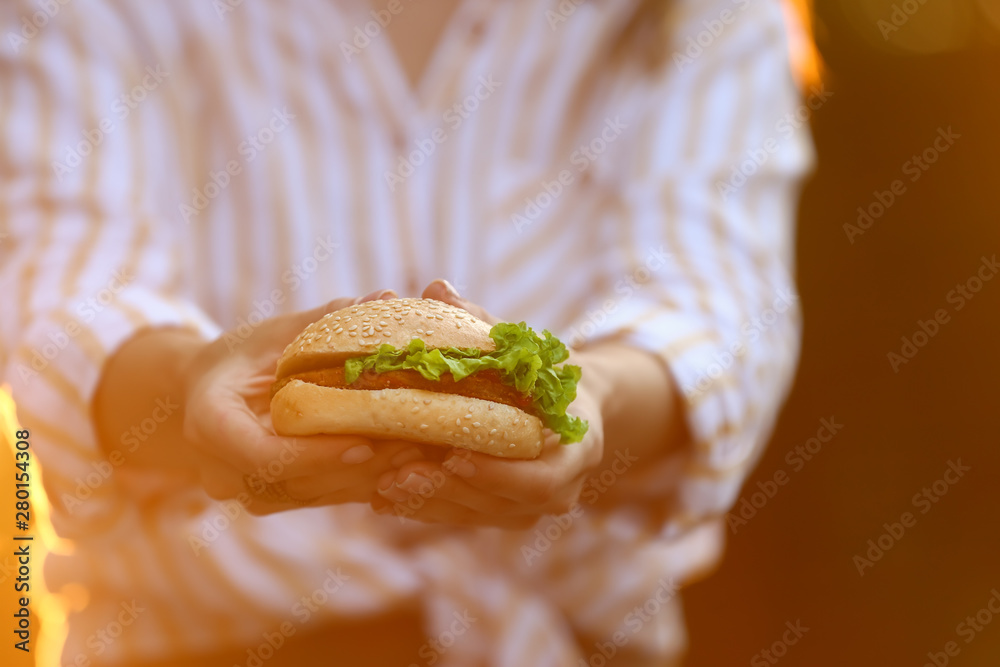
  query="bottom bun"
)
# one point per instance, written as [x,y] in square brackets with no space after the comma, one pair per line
[303,408]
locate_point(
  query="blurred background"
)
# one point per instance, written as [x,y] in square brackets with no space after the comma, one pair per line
[903,74]
[794,560]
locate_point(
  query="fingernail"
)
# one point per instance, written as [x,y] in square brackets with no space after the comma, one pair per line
[358,454]
[461,467]
[450,289]
[405,456]
[386,481]
[416,483]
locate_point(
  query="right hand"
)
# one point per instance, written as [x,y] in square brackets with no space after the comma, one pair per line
[227,422]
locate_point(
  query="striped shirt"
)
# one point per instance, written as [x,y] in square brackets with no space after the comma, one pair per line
[210,164]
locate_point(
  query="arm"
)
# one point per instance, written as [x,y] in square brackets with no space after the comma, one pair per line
[213,424]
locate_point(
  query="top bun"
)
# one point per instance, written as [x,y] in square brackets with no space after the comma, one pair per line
[359,330]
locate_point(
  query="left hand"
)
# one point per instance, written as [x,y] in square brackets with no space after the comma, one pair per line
[473,489]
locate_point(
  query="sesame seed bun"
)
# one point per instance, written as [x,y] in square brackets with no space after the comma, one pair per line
[452,420]
[357,331]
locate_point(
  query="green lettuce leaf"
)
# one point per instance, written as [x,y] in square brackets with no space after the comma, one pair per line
[525,360]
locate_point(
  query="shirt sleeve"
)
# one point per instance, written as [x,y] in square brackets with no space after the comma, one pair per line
[701,241]
[83,263]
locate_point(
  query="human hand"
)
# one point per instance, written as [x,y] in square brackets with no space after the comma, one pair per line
[473,489]
[237,454]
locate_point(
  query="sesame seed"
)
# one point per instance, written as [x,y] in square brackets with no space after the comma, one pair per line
[476,424]
[458,422]
[386,333]
[423,426]
[493,432]
[429,332]
[427,401]
[511,446]
[416,409]
[352,333]
[465,429]
[468,416]
[489,443]
[352,327]
[400,425]
[339,330]
[328,338]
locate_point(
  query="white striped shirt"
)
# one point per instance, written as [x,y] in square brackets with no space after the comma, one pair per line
[210,164]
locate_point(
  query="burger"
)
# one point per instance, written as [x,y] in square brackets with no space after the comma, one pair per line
[425,371]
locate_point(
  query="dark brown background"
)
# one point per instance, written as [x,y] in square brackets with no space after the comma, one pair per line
[794,559]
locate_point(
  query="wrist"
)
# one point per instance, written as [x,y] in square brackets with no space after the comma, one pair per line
[140,399]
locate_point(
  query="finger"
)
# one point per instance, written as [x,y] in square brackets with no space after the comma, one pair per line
[223,420]
[434,510]
[364,475]
[442,290]
[532,482]
[427,481]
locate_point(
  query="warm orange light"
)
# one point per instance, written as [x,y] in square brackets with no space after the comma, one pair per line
[49,633]
[807,64]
